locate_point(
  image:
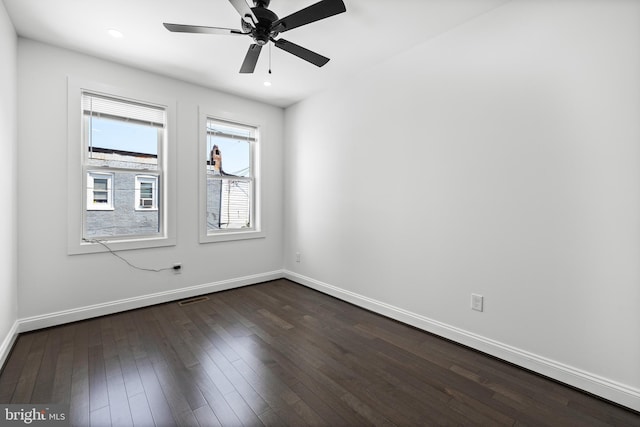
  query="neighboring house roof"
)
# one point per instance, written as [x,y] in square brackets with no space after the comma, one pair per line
[121,152]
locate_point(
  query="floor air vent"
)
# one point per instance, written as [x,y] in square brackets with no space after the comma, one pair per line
[192,300]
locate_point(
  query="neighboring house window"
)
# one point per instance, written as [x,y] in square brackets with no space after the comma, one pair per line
[99,191]
[231,208]
[146,197]
[121,139]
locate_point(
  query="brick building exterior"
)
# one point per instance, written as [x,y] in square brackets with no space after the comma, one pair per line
[123,213]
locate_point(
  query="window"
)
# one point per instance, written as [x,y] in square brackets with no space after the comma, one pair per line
[146,192]
[99,191]
[230,181]
[122,138]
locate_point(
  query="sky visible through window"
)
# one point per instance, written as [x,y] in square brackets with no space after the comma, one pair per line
[125,136]
[139,138]
[235,152]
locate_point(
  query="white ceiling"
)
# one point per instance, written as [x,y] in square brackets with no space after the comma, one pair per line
[368,33]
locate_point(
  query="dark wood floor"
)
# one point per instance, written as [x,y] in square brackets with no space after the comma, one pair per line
[279,354]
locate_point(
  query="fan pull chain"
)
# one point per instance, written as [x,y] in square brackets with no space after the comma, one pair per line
[269,58]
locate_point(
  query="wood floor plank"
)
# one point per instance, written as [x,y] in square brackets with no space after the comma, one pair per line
[208,328]
[271,390]
[16,360]
[167,319]
[365,411]
[244,413]
[6,391]
[26,384]
[79,401]
[334,415]
[206,417]
[43,389]
[140,411]
[99,396]
[126,357]
[186,418]
[160,409]
[175,398]
[173,371]
[271,419]
[280,354]
[255,401]
[101,417]
[61,393]
[118,400]
[274,387]
[218,404]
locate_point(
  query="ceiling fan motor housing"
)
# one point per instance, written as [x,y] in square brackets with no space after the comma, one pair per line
[262,32]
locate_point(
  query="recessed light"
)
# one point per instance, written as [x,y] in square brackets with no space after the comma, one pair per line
[115,33]
[267,84]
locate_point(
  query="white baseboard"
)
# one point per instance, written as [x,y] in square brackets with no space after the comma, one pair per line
[7,343]
[611,390]
[87,312]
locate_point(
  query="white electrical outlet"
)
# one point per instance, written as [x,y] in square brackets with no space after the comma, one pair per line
[477,302]
[297,256]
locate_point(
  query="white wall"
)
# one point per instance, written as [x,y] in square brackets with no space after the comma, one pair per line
[56,287]
[8,183]
[501,158]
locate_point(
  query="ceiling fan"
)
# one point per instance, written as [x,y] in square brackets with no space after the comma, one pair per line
[263,26]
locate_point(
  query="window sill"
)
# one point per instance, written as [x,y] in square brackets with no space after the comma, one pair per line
[231,235]
[88,247]
[93,208]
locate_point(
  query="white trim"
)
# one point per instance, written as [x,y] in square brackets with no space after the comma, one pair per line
[149,179]
[7,343]
[95,310]
[76,174]
[91,177]
[614,391]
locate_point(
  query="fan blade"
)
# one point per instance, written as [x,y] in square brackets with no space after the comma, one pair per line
[315,12]
[301,52]
[250,60]
[245,11]
[196,29]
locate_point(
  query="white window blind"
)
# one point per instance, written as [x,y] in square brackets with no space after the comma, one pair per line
[220,130]
[103,106]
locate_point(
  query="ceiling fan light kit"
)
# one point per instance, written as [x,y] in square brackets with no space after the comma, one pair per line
[263,26]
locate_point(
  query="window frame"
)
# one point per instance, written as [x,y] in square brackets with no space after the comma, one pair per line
[256,211]
[78,169]
[91,176]
[146,178]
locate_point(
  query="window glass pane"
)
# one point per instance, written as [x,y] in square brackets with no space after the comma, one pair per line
[234,147]
[100,184]
[100,197]
[121,144]
[119,140]
[126,136]
[146,190]
[229,176]
[228,204]
[124,219]
[235,156]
